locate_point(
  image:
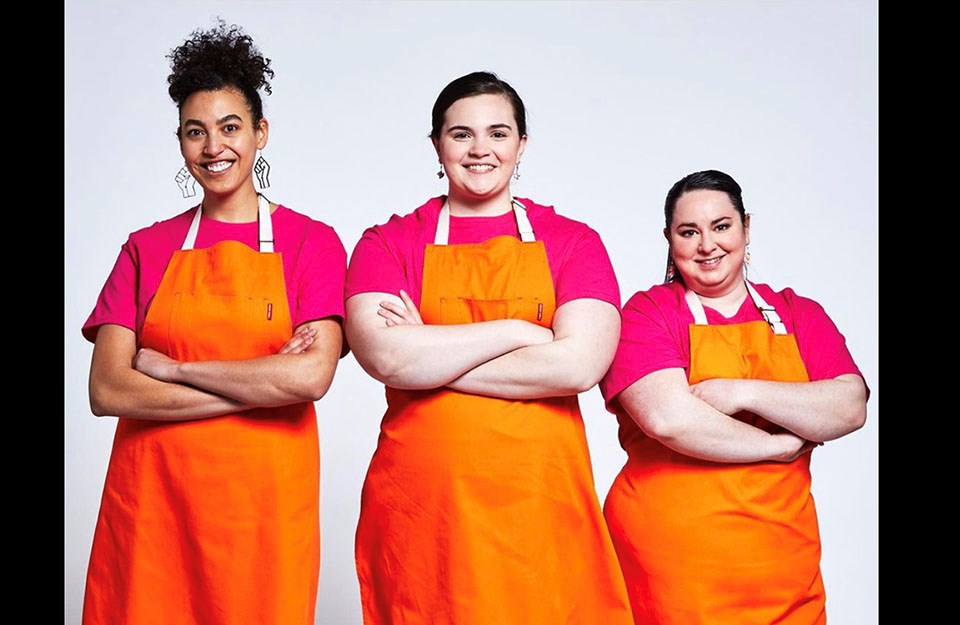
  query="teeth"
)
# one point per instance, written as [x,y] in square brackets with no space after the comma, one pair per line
[219,166]
[480,167]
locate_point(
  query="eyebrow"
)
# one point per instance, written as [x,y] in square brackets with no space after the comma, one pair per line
[490,127]
[690,224]
[222,120]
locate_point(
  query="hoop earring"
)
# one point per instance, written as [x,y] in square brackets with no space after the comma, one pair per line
[516,171]
[440,173]
[186,182]
[262,169]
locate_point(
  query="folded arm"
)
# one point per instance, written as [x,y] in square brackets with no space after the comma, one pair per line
[819,411]
[585,333]
[148,385]
[665,408]
[397,349]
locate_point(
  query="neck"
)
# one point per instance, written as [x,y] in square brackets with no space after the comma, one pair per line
[238,207]
[486,207]
[727,302]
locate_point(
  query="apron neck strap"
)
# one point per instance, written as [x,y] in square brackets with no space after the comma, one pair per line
[769,312]
[265,236]
[519,211]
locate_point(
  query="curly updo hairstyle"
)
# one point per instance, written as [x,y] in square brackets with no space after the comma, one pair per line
[219,58]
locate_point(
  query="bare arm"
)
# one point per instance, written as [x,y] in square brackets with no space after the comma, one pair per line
[664,407]
[287,377]
[818,411]
[117,389]
[585,341]
[411,355]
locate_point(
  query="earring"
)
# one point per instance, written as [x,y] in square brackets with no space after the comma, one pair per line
[671,271]
[262,169]
[516,171]
[186,182]
[440,173]
[746,255]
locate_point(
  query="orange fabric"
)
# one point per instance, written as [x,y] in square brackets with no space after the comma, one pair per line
[213,521]
[707,543]
[477,510]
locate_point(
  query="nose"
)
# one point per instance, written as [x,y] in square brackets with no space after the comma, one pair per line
[707,244]
[479,147]
[212,145]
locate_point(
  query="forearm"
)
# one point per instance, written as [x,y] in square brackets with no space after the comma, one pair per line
[275,380]
[290,376]
[585,341]
[548,370]
[134,395]
[818,411]
[431,356]
[695,429]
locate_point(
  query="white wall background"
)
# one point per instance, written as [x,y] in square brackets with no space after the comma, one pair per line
[624,98]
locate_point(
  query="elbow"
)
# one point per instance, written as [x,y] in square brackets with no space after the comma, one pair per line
[855,419]
[99,405]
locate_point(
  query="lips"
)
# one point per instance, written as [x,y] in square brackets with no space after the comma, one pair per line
[218,166]
[479,168]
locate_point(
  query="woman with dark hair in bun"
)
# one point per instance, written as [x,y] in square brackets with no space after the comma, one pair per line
[485,315]
[214,334]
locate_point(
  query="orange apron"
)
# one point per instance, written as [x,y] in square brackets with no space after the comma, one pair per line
[213,521]
[478,510]
[715,543]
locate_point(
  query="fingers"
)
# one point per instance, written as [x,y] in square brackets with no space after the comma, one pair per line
[299,342]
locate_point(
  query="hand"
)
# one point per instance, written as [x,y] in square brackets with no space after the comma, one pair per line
[299,342]
[404,313]
[798,446]
[720,393]
[186,182]
[156,365]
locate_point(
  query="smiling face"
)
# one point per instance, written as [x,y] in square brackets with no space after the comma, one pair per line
[219,140]
[708,240]
[479,147]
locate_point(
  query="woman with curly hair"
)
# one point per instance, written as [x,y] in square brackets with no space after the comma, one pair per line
[214,334]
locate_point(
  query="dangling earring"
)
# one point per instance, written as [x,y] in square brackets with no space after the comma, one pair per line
[516,171]
[186,182]
[262,169]
[440,173]
[671,274]
[746,255]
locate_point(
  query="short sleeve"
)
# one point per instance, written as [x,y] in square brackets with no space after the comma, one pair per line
[587,272]
[649,341]
[822,346]
[117,300]
[374,268]
[321,267]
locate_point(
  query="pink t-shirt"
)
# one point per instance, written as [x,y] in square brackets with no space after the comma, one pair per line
[389,257]
[314,266]
[655,335]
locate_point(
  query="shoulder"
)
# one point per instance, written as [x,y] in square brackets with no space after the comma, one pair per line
[787,299]
[422,218]
[661,298]
[547,216]
[286,217]
[170,231]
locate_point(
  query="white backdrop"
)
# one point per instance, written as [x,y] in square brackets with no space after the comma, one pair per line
[624,98]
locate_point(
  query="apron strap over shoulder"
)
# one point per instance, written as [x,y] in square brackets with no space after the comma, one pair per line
[519,211]
[266,225]
[769,312]
[265,237]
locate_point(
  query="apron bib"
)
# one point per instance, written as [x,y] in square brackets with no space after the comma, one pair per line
[709,543]
[478,510]
[213,521]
